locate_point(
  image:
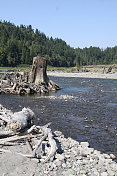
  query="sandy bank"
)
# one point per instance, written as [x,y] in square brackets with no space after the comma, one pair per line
[83,75]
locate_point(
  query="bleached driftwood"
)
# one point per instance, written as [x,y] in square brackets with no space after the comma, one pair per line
[52,144]
[20,132]
[9,143]
[18,120]
[47,133]
[21,119]
[15,138]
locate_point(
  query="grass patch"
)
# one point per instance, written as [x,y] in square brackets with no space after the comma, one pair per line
[64,69]
[19,67]
[51,68]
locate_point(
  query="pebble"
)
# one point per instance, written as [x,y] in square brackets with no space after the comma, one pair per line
[84,144]
[110,172]
[104,174]
[64,165]
[60,157]
[58,163]
[112,156]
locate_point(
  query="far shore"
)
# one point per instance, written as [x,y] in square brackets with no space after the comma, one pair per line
[83,74]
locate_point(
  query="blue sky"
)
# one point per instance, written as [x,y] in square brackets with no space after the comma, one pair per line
[81,23]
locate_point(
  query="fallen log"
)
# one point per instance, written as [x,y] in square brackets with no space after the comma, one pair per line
[16,138]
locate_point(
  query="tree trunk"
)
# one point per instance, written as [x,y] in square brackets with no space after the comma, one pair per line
[38,73]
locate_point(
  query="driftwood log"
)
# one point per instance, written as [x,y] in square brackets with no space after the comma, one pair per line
[21,120]
[27,83]
[19,128]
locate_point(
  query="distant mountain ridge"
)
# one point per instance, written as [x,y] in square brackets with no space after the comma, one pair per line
[19,44]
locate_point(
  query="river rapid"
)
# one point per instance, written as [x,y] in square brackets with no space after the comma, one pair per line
[84,109]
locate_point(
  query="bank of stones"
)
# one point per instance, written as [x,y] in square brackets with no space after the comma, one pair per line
[71,158]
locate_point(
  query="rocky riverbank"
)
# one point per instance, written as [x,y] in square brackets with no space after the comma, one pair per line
[71,158]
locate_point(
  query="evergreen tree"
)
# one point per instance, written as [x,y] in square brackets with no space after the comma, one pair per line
[19,44]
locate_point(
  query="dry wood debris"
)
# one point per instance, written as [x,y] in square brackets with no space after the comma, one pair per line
[29,82]
[18,129]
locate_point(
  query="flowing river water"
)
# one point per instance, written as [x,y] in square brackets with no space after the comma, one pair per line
[84,109]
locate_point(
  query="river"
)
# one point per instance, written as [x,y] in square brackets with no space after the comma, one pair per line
[84,109]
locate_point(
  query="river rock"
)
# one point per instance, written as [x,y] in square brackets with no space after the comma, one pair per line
[110,172]
[112,156]
[60,157]
[69,172]
[84,144]
[104,174]
[57,133]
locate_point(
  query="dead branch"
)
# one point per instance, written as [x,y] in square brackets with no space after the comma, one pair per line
[16,138]
[9,143]
[52,144]
[39,143]
[47,133]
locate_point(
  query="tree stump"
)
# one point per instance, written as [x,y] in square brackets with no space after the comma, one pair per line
[38,73]
[27,83]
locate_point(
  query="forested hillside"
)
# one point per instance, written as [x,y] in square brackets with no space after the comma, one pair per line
[19,44]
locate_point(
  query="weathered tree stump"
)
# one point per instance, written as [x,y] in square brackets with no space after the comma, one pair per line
[38,73]
[25,83]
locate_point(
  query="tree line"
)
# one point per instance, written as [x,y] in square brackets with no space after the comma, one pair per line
[19,44]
